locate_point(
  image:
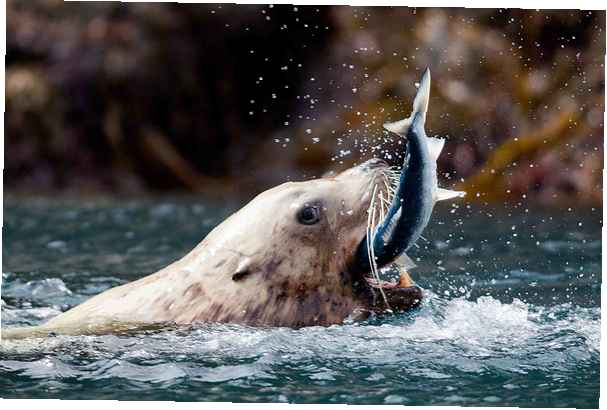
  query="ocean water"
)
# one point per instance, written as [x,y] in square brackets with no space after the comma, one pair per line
[511,315]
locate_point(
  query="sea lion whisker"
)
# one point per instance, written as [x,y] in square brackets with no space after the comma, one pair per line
[385,202]
[369,235]
[390,189]
[373,262]
[382,205]
[385,180]
[389,177]
[394,180]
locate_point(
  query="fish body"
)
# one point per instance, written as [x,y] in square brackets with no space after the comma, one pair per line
[417,190]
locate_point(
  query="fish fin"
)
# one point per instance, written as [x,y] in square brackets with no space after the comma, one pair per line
[405,262]
[435,146]
[399,127]
[420,105]
[443,194]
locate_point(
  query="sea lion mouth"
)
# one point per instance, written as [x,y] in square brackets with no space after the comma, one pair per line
[382,295]
[396,296]
[401,299]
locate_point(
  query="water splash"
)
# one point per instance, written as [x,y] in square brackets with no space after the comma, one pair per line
[487,333]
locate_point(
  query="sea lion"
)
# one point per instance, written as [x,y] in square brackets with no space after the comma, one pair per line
[300,254]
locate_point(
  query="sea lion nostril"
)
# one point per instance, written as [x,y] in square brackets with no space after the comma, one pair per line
[374,163]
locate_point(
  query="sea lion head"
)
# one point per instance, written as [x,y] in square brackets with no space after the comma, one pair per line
[288,256]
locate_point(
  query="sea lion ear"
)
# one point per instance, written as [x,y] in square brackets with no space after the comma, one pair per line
[242,270]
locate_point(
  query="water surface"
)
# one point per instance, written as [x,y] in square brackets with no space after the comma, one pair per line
[511,315]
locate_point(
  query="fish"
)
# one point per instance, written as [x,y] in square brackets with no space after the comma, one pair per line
[416,194]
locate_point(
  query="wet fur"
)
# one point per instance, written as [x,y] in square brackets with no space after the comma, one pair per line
[259,267]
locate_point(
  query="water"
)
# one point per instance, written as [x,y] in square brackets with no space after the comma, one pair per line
[511,315]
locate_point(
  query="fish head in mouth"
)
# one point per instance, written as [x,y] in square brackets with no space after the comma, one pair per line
[292,251]
[380,188]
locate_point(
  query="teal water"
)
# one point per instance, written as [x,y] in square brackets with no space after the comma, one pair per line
[511,315]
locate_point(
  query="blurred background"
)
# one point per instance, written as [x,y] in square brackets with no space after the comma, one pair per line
[228,100]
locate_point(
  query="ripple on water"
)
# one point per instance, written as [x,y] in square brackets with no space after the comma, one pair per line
[51,293]
[43,289]
[442,341]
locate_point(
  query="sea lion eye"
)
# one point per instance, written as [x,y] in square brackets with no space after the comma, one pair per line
[309,215]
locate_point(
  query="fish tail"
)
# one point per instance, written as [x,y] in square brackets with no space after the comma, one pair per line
[416,122]
[420,108]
